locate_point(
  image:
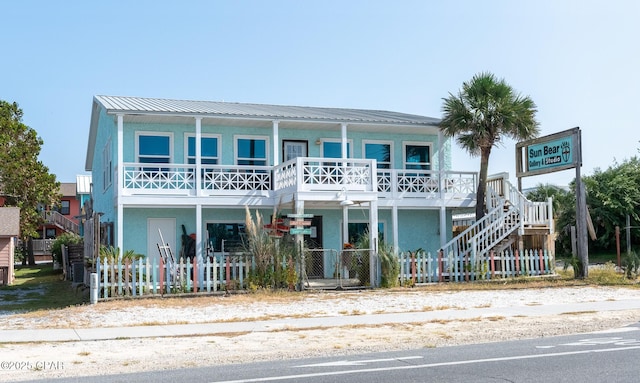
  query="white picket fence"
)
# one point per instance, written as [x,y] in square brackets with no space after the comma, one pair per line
[423,267]
[145,276]
[155,277]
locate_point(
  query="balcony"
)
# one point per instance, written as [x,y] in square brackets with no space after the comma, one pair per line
[320,177]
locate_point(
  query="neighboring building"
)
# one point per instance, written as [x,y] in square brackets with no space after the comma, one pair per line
[83,196]
[159,165]
[63,218]
[9,232]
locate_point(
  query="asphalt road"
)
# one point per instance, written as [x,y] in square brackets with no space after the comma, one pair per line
[603,357]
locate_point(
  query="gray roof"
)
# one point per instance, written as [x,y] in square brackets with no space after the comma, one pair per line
[67,189]
[117,104]
[9,221]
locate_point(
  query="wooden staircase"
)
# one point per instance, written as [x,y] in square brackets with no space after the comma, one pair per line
[64,223]
[509,216]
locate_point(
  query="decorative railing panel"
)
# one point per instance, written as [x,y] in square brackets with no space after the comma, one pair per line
[236,178]
[423,183]
[334,173]
[163,177]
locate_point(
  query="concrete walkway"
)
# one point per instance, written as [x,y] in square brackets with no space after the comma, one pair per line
[104,333]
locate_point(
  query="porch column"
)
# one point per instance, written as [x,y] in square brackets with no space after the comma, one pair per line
[343,141]
[345,225]
[276,151]
[394,227]
[441,176]
[374,264]
[198,156]
[199,246]
[443,226]
[119,179]
[199,233]
[299,209]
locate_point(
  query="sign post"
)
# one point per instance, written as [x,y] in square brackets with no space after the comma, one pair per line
[302,224]
[552,153]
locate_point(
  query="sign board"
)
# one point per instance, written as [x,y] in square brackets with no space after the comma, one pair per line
[300,215]
[295,230]
[559,151]
[299,223]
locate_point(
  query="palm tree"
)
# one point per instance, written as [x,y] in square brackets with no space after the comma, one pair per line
[484,111]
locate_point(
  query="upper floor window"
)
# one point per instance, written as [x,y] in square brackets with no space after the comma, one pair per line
[379,151]
[154,148]
[417,156]
[333,149]
[107,166]
[65,207]
[209,150]
[251,151]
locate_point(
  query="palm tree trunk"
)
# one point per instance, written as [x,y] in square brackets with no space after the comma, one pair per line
[482,183]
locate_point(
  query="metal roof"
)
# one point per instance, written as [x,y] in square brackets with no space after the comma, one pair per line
[118,104]
[83,184]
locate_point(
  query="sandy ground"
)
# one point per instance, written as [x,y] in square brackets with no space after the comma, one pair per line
[65,359]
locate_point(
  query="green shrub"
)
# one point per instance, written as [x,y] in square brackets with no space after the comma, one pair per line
[112,253]
[274,257]
[63,240]
[631,264]
[390,266]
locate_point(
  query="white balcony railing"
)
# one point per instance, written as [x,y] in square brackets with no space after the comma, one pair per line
[236,178]
[302,174]
[421,183]
[311,174]
[159,177]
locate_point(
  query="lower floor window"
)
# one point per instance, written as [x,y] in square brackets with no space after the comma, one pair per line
[225,236]
[359,232]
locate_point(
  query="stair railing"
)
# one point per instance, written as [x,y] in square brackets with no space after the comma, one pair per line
[61,221]
[498,223]
[508,210]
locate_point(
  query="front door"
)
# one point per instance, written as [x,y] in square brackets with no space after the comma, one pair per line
[293,148]
[156,227]
[315,265]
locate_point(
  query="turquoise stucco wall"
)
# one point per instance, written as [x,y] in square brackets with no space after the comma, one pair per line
[227,134]
[135,225]
[103,195]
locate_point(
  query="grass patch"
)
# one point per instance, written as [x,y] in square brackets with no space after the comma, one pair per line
[39,288]
[579,312]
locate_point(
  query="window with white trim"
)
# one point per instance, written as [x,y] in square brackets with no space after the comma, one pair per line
[209,149]
[332,148]
[417,155]
[225,236]
[153,148]
[251,150]
[381,151]
[359,231]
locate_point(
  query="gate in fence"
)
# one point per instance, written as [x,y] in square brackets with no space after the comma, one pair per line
[332,269]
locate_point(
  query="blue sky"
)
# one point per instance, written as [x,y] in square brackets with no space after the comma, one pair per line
[578,60]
